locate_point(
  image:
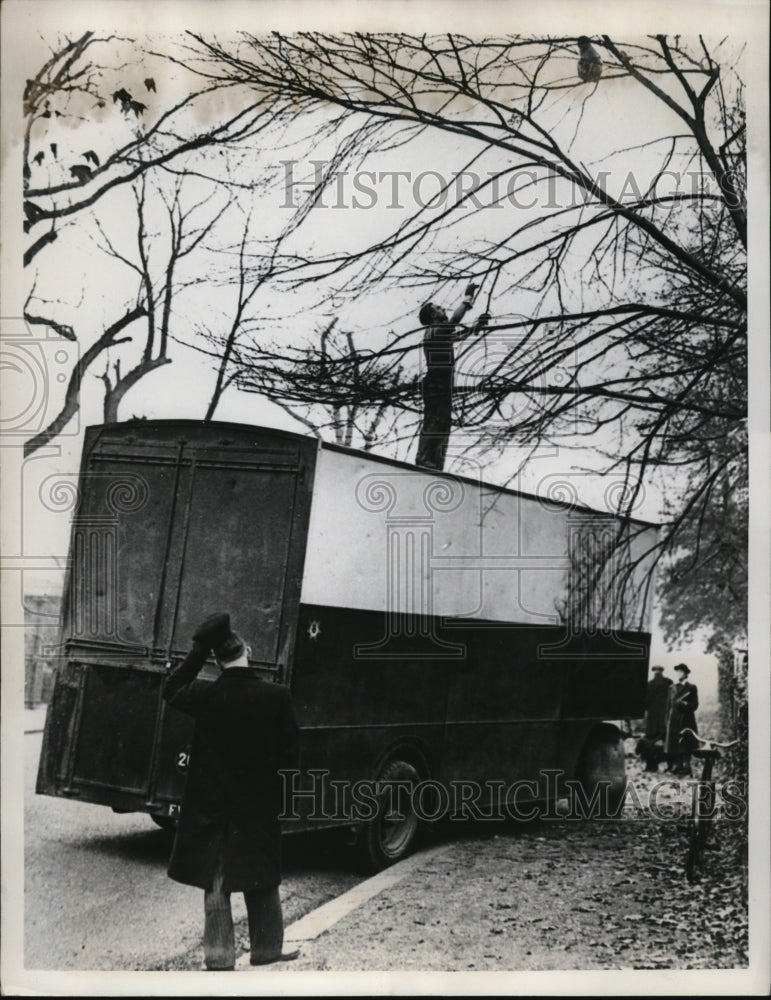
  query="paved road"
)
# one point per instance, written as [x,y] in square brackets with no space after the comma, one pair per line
[548,895]
[97,896]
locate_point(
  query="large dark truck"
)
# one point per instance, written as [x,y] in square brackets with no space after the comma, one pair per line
[432,628]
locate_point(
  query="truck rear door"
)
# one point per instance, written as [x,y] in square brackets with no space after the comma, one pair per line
[176,521]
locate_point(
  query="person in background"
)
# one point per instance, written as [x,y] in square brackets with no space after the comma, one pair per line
[229,836]
[682,703]
[651,746]
[656,700]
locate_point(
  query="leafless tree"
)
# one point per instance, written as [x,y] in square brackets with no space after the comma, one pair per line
[95,90]
[155,260]
[110,338]
[332,386]
[635,335]
[73,97]
[159,285]
[322,379]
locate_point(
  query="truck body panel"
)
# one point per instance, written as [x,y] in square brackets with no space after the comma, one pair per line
[412,614]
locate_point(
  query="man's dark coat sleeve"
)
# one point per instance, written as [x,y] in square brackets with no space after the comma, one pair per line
[182,690]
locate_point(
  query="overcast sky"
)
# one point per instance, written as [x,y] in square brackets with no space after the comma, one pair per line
[90,285]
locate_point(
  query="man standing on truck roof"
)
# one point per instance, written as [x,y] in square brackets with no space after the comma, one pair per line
[437,385]
[229,836]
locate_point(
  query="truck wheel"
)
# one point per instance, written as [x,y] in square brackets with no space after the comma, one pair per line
[168,823]
[389,836]
[603,760]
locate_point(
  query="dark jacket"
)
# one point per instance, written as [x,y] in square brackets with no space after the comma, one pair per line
[681,707]
[656,701]
[245,730]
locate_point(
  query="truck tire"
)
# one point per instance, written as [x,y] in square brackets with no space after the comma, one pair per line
[603,760]
[386,839]
[167,823]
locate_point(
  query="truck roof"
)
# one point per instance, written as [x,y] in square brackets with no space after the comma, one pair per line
[225,426]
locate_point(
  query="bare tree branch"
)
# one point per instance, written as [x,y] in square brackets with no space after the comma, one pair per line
[72,396]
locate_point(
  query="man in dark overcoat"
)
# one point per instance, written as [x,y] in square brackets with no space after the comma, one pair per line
[229,836]
[656,700]
[651,746]
[681,708]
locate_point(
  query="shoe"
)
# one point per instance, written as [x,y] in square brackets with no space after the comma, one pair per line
[287,956]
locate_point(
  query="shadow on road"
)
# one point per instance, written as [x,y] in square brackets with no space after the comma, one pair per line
[317,851]
[303,853]
[153,846]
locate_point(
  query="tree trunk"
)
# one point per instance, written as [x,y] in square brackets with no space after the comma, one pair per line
[114,395]
[72,396]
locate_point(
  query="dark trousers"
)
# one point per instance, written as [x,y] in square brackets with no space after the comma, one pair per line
[437,420]
[679,763]
[266,925]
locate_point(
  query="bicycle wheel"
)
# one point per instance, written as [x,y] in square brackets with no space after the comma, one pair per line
[697,841]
